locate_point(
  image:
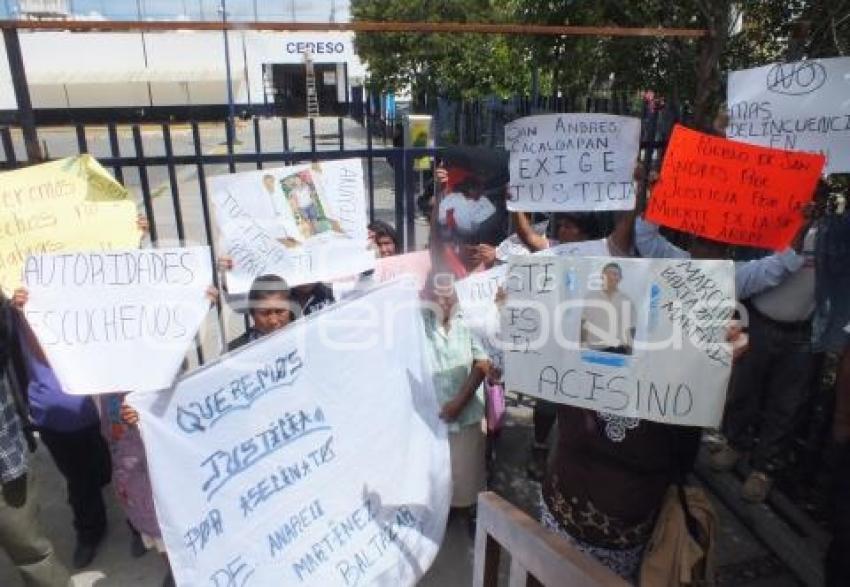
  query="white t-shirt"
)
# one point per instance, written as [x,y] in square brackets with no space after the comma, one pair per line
[469,214]
[303,196]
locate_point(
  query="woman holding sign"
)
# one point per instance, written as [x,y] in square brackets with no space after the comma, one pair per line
[572,237]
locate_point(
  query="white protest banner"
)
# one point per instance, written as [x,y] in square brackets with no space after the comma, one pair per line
[639,338]
[476,296]
[314,456]
[800,106]
[119,320]
[306,223]
[563,162]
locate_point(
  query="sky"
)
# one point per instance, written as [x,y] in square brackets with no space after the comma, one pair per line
[298,10]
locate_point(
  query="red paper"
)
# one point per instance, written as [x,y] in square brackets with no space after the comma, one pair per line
[733,192]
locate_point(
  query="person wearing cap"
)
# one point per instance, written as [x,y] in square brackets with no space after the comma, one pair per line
[270,308]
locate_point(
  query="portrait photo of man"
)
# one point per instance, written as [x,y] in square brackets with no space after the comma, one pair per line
[608,317]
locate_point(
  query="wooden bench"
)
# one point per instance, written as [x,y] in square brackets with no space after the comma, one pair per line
[538,556]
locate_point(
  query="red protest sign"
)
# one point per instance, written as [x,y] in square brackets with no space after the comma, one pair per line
[733,192]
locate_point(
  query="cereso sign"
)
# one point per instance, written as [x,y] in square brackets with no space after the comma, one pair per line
[315,47]
[322,47]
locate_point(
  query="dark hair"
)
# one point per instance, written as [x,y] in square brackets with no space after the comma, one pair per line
[381,228]
[613,266]
[585,221]
[265,286]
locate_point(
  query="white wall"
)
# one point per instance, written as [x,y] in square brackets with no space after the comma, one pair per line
[114,69]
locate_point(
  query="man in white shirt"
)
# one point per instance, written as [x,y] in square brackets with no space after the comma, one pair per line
[772,382]
[752,278]
[608,317]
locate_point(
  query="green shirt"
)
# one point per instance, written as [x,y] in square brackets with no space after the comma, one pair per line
[449,356]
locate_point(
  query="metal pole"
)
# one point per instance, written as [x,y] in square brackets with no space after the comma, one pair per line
[231,108]
[26,117]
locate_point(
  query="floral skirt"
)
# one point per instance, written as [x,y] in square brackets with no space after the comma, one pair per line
[625,562]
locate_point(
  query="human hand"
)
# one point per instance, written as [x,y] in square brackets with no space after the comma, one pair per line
[484,254]
[225,263]
[451,411]
[739,339]
[212,294]
[128,415]
[20,298]
[143,224]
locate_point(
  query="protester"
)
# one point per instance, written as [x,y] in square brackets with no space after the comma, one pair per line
[770,386]
[312,297]
[130,473]
[837,561]
[21,536]
[458,365]
[130,476]
[751,277]
[383,238]
[69,427]
[572,235]
[270,309]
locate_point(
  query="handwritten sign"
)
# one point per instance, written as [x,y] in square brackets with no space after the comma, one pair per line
[800,106]
[121,320]
[311,457]
[636,338]
[476,296]
[733,192]
[306,223]
[561,162]
[65,205]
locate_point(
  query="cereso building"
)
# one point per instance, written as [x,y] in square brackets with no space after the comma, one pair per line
[184,71]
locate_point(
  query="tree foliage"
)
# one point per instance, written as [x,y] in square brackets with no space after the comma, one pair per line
[689,71]
[460,66]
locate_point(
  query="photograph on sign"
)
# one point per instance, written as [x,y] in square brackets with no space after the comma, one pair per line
[636,338]
[470,204]
[733,192]
[569,162]
[798,106]
[95,314]
[319,467]
[306,223]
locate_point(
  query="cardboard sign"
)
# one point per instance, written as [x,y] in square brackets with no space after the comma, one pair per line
[635,338]
[799,106]
[314,456]
[66,205]
[733,192]
[305,223]
[562,162]
[117,321]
